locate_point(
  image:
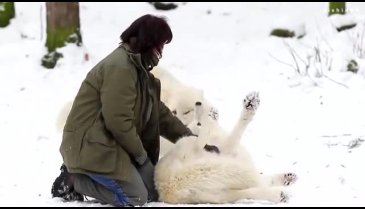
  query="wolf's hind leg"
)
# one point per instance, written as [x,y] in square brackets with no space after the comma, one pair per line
[281,179]
[272,194]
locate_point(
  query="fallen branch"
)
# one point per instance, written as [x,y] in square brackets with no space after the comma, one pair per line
[335,81]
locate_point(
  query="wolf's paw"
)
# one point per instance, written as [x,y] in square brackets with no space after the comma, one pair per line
[283,179]
[284,197]
[213,113]
[289,179]
[252,101]
[278,195]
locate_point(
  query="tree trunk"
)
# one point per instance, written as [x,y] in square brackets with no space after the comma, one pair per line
[337,8]
[7,11]
[63,24]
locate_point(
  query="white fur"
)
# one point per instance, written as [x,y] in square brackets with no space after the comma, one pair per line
[62,116]
[177,96]
[190,174]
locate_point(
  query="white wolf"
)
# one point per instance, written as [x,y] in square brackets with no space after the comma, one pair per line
[215,168]
[180,99]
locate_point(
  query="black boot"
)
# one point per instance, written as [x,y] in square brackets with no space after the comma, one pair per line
[63,186]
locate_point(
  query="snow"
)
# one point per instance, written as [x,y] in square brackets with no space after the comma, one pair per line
[307,121]
[341,20]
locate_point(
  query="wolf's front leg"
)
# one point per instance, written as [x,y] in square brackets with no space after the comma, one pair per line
[250,104]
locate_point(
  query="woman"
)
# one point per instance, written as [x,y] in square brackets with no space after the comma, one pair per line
[110,140]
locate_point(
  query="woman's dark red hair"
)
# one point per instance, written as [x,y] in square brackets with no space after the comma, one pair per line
[146,33]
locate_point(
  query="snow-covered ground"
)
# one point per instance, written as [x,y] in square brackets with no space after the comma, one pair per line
[308,123]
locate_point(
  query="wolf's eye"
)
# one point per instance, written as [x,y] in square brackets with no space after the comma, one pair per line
[174,112]
[187,112]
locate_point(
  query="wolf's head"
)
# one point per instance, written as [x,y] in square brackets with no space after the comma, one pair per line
[204,115]
[183,104]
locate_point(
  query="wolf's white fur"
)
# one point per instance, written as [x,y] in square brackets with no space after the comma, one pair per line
[62,116]
[190,174]
[178,97]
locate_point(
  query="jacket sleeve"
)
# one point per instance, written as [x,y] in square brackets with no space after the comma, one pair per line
[118,98]
[170,126]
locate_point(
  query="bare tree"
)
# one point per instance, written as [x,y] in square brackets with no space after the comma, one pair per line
[63,24]
[7,12]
